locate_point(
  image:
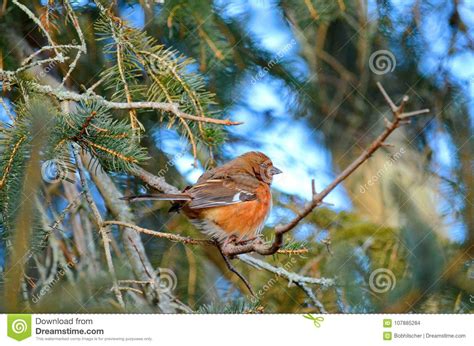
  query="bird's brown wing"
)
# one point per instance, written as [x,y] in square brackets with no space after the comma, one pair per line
[215,192]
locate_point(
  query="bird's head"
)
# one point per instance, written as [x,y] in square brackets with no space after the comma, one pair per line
[259,165]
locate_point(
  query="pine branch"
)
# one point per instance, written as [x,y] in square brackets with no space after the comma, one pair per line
[64,95]
[91,125]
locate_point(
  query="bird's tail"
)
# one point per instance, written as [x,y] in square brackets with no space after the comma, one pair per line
[174,197]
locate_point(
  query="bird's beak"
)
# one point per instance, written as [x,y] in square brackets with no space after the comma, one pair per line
[275,171]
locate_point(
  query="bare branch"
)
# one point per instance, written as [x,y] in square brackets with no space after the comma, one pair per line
[169,236]
[309,292]
[59,58]
[75,23]
[124,288]
[45,48]
[64,95]
[392,105]
[414,113]
[291,277]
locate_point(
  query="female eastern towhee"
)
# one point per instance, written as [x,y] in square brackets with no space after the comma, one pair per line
[228,202]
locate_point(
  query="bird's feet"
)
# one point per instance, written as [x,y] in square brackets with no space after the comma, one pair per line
[255,239]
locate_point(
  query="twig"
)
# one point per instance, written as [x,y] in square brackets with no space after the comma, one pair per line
[233,270]
[102,227]
[139,282]
[64,95]
[59,58]
[123,288]
[7,109]
[45,48]
[68,209]
[309,292]
[289,276]
[132,112]
[169,236]
[119,51]
[90,90]
[154,181]
[75,23]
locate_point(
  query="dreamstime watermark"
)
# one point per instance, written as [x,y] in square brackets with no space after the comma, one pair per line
[168,279]
[382,62]
[60,58]
[35,298]
[164,64]
[54,170]
[276,60]
[382,280]
[381,172]
[171,163]
[271,282]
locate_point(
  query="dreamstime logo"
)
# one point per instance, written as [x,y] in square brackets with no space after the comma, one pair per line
[19,326]
[54,170]
[168,280]
[382,62]
[382,280]
[164,65]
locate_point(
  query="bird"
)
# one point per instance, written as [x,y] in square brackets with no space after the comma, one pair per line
[228,203]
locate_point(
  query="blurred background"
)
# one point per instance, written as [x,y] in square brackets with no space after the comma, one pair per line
[398,234]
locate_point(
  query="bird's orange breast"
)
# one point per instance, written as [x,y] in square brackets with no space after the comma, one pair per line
[243,220]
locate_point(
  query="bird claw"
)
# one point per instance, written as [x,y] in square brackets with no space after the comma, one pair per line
[256,240]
